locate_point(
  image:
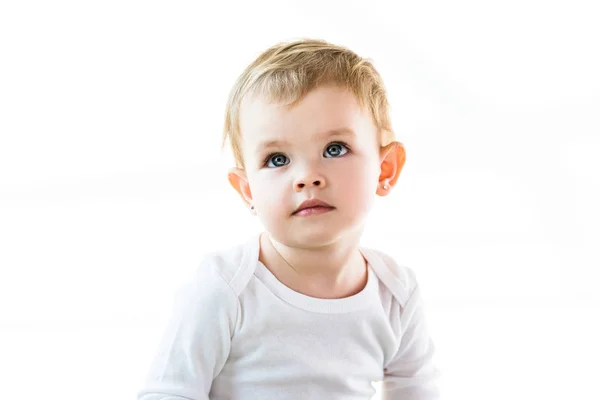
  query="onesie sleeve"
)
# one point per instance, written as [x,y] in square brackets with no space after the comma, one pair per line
[411,374]
[196,341]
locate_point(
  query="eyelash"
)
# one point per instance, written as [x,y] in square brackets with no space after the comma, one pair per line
[270,155]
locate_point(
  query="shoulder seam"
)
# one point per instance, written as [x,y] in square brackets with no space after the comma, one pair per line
[237,301]
[392,275]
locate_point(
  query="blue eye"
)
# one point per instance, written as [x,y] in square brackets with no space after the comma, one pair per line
[277,160]
[335,150]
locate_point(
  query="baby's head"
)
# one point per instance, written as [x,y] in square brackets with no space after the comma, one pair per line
[310,120]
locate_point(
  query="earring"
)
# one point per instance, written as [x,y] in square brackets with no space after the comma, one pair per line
[252,208]
[385,186]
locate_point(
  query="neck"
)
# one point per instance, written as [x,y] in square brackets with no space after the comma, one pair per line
[329,265]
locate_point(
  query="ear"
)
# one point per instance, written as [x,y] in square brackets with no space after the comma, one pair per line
[392,158]
[239,180]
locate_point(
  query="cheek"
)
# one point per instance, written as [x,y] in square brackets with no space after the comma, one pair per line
[267,192]
[361,172]
[359,184]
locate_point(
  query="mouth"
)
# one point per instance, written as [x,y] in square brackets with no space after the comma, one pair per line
[313,207]
[313,211]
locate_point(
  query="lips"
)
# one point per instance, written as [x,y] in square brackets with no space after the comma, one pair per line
[312,203]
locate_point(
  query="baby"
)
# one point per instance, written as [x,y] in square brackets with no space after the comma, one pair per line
[302,310]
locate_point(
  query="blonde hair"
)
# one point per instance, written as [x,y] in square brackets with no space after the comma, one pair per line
[287,71]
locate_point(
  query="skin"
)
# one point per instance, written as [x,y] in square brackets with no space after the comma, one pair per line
[346,169]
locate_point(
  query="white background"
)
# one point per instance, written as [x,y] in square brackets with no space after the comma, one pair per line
[113,186]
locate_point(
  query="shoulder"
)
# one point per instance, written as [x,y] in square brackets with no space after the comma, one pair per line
[225,271]
[400,279]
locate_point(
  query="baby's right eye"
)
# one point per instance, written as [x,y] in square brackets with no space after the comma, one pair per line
[276,160]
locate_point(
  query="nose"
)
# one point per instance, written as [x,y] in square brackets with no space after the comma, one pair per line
[310,180]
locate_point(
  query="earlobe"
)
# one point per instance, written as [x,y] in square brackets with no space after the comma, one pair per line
[239,181]
[392,158]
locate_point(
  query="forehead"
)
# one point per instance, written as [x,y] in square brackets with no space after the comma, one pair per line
[322,110]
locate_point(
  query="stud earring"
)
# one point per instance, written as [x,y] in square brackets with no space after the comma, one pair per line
[385,186]
[252,208]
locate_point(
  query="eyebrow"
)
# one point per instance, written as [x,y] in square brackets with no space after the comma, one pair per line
[333,132]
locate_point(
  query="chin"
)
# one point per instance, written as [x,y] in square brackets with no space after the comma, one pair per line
[309,233]
[317,235]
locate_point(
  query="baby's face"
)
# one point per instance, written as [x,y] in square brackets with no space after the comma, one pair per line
[324,148]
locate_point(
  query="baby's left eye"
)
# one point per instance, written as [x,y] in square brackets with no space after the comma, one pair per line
[335,150]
